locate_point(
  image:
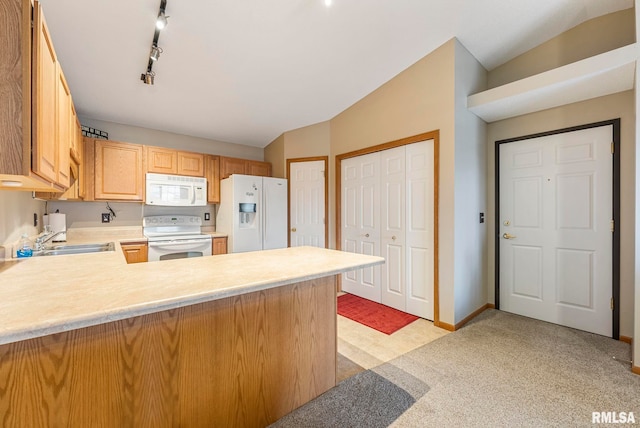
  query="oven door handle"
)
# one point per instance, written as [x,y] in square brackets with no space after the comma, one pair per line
[179,244]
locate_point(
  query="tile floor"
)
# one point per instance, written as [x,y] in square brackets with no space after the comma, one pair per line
[361,347]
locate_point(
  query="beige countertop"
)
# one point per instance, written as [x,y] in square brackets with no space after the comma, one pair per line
[46,295]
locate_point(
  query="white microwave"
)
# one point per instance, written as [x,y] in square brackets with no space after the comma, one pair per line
[175,190]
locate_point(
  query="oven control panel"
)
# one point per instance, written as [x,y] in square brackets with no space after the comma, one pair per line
[172,220]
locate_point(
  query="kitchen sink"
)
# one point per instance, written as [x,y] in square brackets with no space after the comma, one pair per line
[59,250]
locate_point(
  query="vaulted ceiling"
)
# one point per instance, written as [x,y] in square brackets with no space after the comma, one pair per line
[244,71]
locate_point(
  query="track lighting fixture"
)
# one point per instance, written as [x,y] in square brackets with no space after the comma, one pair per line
[149,76]
[161,22]
[155,52]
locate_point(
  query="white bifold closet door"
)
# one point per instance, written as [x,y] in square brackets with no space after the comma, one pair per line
[388,210]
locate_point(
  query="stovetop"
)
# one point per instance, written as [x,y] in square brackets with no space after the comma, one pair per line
[167,226]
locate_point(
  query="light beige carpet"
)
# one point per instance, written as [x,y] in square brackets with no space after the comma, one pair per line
[501,370]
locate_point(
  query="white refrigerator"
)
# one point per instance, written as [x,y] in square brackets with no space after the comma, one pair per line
[253,213]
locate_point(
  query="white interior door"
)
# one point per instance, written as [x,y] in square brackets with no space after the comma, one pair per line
[361,221]
[555,236]
[392,221]
[307,204]
[419,229]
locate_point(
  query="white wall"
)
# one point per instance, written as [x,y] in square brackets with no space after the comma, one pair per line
[152,137]
[16,217]
[470,237]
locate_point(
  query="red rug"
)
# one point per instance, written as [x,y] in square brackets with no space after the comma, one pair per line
[372,314]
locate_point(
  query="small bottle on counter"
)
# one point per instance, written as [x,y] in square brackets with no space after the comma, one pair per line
[25,249]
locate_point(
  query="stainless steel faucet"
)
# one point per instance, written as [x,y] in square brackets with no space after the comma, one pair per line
[44,238]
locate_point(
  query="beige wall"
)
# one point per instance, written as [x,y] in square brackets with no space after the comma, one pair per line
[309,141]
[16,217]
[422,98]
[153,137]
[419,99]
[610,107]
[590,38]
[274,153]
[314,140]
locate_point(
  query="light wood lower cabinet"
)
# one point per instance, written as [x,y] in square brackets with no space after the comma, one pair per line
[119,173]
[219,245]
[241,361]
[135,252]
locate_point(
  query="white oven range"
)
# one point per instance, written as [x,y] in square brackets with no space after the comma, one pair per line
[175,237]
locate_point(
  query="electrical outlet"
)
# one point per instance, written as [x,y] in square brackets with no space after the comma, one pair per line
[35,219]
[481,217]
[207,216]
[106,217]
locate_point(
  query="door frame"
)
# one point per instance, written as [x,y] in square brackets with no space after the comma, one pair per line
[615,265]
[325,159]
[431,135]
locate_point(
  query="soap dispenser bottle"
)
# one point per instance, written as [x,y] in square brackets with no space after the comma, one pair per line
[25,249]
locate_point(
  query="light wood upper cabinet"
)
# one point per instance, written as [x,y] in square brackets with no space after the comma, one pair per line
[258,168]
[191,164]
[161,160]
[119,173]
[229,166]
[212,173]
[64,117]
[45,156]
[169,161]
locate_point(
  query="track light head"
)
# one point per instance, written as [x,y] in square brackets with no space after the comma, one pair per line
[155,52]
[161,22]
[148,77]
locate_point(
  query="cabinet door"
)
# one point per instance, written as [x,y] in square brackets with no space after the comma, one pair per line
[88,167]
[44,153]
[82,182]
[161,160]
[229,166]
[135,253]
[258,168]
[212,172]
[64,135]
[118,171]
[219,246]
[191,164]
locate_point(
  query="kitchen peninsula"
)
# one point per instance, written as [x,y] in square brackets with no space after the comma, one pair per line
[228,340]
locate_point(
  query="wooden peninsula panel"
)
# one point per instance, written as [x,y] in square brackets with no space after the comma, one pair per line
[242,361]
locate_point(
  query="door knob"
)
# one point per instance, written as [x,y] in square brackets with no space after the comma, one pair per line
[508,236]
[366,235]
[293,229]
[393,237]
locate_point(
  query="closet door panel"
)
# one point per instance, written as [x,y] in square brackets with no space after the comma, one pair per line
[361,221]
[420,227]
